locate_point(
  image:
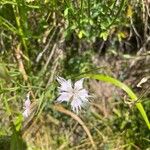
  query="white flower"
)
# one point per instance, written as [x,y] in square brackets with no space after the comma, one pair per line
[27,107]
[77,95]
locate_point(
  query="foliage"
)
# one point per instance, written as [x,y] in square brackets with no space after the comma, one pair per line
[93,19]
[40,40]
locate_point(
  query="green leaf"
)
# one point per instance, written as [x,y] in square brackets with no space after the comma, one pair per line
[17,142]
[66,12]
[18,122]
[124,87]
[104,35]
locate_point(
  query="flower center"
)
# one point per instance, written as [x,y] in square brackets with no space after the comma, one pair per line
[73,92]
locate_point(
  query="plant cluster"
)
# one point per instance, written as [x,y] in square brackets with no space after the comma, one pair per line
[41,40]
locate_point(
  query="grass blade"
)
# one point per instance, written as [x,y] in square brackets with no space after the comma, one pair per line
[124,87]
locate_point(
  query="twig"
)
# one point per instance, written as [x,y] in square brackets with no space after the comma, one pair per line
[18,54]
[75,117]
[56,63]
[20,62]
[46,47]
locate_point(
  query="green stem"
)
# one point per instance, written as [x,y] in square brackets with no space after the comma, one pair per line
[21,33]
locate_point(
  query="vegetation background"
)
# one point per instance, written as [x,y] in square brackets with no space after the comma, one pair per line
[43,39]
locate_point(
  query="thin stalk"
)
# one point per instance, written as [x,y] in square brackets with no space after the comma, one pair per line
[21,33]
[89,8]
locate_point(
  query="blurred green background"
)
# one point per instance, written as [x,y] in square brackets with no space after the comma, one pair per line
[43,39]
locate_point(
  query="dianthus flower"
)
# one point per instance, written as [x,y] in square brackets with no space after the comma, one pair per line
[75,94]
[27,106]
